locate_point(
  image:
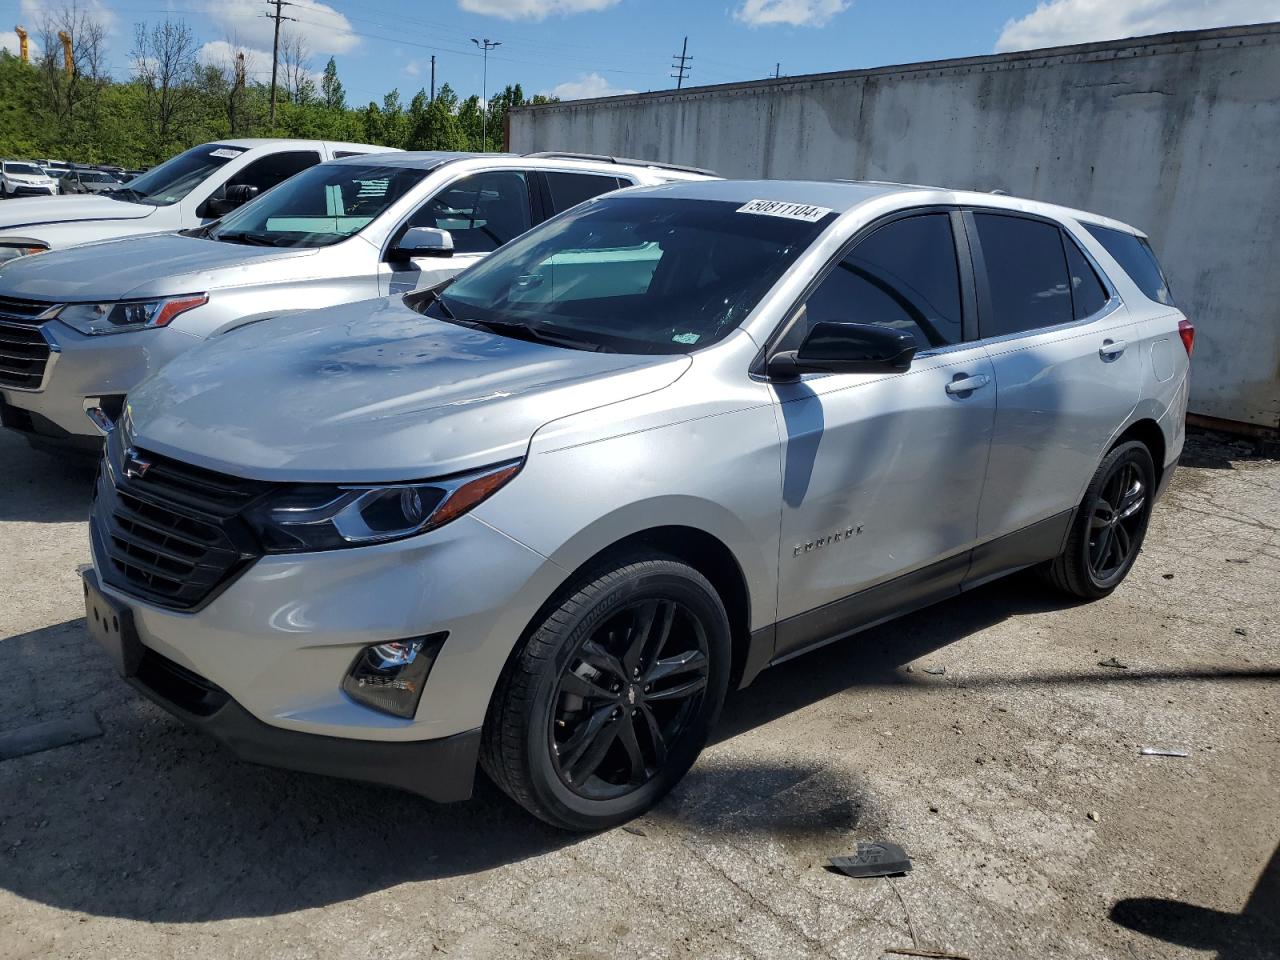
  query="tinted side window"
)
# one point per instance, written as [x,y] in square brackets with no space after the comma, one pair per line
[1138,259]
[1088,296]
[570,189]
[902,276]
[266,172]
[1027,274]
[482,211]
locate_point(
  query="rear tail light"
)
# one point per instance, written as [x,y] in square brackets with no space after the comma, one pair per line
[1187,331]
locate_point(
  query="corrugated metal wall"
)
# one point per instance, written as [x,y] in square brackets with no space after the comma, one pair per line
[1177,134]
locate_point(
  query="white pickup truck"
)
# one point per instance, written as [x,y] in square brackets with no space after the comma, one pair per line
[192,188]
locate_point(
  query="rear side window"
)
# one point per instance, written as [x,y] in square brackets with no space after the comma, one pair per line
[1088,296]
[482,211]
[1138,259]
[903,276]
[1026,274]
[570,189]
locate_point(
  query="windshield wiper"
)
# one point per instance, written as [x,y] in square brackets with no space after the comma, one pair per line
[118,193]
[525,331]
[252,239]
[433,296]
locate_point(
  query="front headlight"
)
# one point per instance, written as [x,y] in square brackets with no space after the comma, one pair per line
[320,517]
[100,318]
[13,249]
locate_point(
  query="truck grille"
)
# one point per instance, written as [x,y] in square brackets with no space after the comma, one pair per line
[172,535]
[24,352]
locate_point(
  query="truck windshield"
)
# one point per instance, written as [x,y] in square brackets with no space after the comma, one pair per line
[629,274]
[319,206]
[175,178]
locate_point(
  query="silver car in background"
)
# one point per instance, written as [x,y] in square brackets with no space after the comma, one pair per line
[84,325]
[545,516]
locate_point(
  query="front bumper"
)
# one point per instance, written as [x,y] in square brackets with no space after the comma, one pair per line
[84,368]
[24,190]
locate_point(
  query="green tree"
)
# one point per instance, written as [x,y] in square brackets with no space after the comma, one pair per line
[331,90]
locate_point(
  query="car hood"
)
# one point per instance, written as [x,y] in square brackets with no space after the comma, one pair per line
[160,264]
[370,392]
[68,209]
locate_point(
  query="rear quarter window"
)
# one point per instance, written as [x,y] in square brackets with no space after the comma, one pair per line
[1135,255]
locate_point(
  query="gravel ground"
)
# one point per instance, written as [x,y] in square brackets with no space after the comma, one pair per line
[1013,779]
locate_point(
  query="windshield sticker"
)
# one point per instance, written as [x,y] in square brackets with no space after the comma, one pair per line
[779,208]
[686,338]
[225,153]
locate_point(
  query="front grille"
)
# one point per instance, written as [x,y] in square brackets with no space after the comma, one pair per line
[24,352]
[173,536]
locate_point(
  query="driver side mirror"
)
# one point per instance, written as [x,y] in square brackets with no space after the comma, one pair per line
[235,195]
[422,242]
[846,348]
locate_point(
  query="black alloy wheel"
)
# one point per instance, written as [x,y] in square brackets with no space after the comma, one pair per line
[611,696]
[1117,518]
[626,696]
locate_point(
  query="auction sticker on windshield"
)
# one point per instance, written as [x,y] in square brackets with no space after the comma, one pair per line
[779,208]
[225,153]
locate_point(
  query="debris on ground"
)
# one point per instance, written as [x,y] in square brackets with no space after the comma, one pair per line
[1236,560]
[1094,816]
[38,737]
[920,952]
[1163,752]
[1113,662]
[873,860]
[634,830]
[1167,576]
[935,671]
[1240,632]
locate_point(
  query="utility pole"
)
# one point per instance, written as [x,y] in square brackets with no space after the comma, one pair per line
[681,66]
[275,51]
[486,46]
[777,71]
[433,76]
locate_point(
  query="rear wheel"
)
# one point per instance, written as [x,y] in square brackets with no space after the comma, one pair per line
[612,698]
[1109,526]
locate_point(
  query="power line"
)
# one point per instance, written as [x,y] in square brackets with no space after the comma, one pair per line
[681,66]
[275,51]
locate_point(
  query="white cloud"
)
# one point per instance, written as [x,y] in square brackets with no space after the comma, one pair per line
[323,28]
[585,87]
[1058,22]
[795,13]
[34,11]
[221,53]
[533,9]
[413,68]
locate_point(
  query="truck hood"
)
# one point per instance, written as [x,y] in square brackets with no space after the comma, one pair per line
[73,208]
[372,392]
[159,264]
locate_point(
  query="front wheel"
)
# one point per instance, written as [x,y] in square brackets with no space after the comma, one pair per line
[1109,526]
[612,698]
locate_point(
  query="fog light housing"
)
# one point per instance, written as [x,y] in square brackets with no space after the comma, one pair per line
[390,676]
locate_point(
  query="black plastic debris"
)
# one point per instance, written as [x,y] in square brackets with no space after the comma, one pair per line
[1113,663]
[873,860]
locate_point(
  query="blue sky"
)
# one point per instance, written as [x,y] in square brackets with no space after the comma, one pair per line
[596,47]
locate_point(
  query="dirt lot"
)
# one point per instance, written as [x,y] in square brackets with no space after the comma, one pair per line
[1013,779]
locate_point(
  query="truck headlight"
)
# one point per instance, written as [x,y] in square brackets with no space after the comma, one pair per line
[323,517]
[14,248]
[101,318]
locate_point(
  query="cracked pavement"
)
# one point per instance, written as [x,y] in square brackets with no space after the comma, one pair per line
[148,841]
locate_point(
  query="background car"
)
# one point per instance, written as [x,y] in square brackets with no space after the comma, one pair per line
[185,191]
[80,180]
[547,515]
[94,320]
[21,178]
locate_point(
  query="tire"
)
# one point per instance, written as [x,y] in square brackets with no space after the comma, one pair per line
[570,716]
[1109,525]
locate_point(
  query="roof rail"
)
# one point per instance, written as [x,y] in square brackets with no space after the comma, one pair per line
[604,158]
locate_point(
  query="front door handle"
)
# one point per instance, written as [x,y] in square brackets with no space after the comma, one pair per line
[1111,349]
[968,384]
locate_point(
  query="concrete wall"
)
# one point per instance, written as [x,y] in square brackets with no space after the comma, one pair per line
[1178,134]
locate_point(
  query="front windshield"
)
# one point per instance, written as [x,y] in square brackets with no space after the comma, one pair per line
[175,178]
[319,206]
[24,169]
[92,176]
[631,274]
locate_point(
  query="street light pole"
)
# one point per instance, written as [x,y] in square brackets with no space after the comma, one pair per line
[486,45]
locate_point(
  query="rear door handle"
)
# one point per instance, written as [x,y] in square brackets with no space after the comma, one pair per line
[968,384]
[1111,349]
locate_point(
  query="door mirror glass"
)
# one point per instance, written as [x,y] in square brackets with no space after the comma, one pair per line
[846,348]
[423,242]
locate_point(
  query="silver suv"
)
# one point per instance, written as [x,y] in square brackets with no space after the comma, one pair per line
[545,516]
[84,325]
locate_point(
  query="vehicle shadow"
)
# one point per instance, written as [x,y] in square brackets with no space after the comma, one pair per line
[41,487]
[1251,934]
